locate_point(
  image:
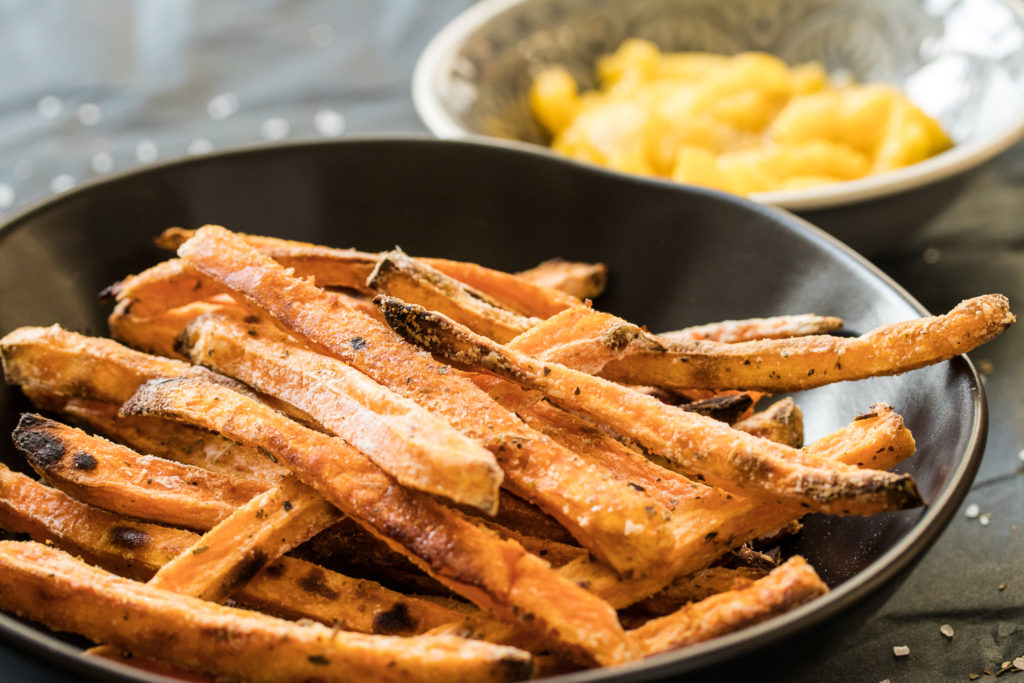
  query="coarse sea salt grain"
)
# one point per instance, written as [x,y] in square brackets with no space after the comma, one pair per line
[200,146]
[102,162]
[1019,662]
[985,519]
[62,182]
[946,630]
[275,128]
[972,511]
[900,650]
[1020,455]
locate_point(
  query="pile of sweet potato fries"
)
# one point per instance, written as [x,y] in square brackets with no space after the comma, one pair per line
[334,465]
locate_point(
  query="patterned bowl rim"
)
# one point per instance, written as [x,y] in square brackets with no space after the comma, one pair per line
[439,53]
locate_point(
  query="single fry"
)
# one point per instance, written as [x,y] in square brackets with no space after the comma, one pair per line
[790,585]
[582,280]
[116,478]
[727,457]
[420,450]
[229,555]
[781,422]
[401,276]
[49,586]
[165,439]
[781,365]
[350,268]
[496,574]
[778,327]
[594,508]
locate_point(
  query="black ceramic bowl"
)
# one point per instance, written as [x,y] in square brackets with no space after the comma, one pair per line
[677,256]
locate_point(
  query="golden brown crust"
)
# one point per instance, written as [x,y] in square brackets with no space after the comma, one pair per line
[116,478]
[786,587]
[495,574]
[781,422]
[51,587]
[289,588]
[781,365]
[581,280]
[399,275]
[229,555]
[777,327]
[593,508]
[419,449]
[726,457]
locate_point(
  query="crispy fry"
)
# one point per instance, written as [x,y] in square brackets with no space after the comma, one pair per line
[398,275]
[160,288]
[73,365]
[779,327]
[780,365]
[790,585]
[593,508]
[49,586]
[699,586]
[733,519]
[582,280]
[496,574]
[728,458]
[110,476]
[289,588]
[781,422]
[420,450]
[350,268]
[165,439]
[127,546]
[157,333]
[229,555]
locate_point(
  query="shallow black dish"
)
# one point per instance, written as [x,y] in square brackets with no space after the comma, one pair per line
[677,256]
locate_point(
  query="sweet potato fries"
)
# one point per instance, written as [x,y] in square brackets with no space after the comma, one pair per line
[530,466]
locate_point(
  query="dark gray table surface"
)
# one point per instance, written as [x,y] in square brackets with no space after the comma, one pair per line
[91,86]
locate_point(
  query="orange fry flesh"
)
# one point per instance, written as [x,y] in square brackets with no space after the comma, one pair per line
[782,365]
[595,509]
[230,554]
[406,278]
[495,574]
[110,476]
[420,450]
[778,327]
[726,457]
[289,588]
[51,587]
[788,586]
[582,280]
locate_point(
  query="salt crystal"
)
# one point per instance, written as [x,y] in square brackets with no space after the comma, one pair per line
[49,106]
[222,106]
[972,511]
[329,123]
[89,114]
[146,151]
[1020,455]
[275,128]
[62,182]
[985,519]
[900,650]
[6,196]
[1019,662]
[946,630]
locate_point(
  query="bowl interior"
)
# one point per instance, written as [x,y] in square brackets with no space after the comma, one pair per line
[960,60]
[676,257]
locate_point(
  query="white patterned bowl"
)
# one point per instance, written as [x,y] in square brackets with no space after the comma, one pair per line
[962,61]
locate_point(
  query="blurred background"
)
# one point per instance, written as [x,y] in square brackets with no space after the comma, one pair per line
[92,87]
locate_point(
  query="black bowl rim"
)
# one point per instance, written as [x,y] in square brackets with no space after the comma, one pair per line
[873,577]
[961,158]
